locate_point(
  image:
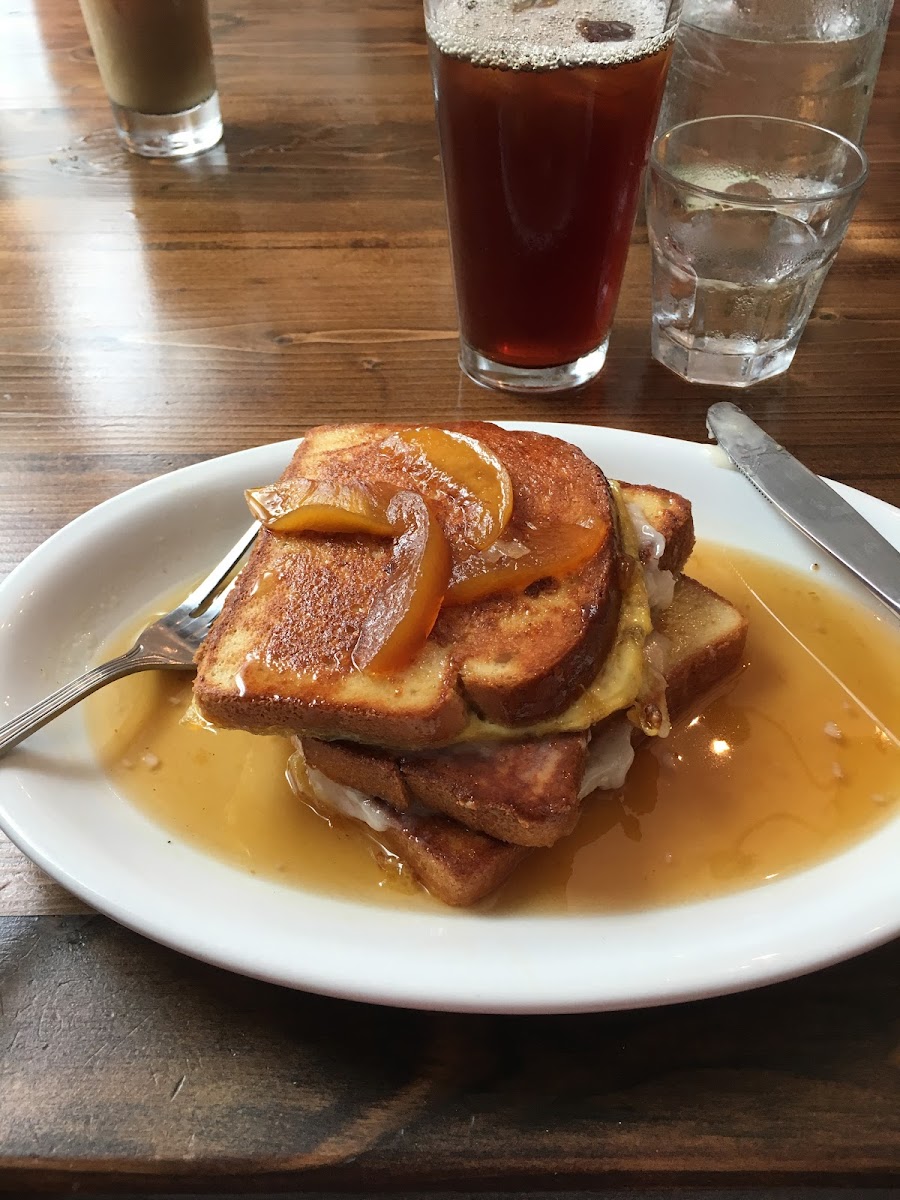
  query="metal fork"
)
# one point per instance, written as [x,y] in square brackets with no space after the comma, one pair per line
[168,644]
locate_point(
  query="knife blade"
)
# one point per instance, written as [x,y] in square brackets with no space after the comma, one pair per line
[808,503]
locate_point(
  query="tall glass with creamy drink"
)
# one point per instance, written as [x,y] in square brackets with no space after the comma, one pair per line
[156,63]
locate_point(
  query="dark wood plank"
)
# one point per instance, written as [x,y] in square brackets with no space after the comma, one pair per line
[673,1193]
[667,1193]
[128,1063]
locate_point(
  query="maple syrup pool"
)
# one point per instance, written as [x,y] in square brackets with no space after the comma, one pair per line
[793,761]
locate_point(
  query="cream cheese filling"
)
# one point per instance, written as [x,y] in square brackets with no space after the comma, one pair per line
[334,797]
[660,583]
[609,758]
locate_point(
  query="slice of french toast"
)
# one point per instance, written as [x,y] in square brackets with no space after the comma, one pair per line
[524,792]
[461,866]
[279,657]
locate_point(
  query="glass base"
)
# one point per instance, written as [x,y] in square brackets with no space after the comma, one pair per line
[170,135]
[560,378]
[713,365]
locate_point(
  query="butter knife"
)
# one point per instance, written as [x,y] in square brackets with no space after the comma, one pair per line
[808,503]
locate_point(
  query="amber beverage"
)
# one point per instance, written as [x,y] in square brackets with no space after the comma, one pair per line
[545,119]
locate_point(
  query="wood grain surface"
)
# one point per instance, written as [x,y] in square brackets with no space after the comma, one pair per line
[154,314]
[128,1059]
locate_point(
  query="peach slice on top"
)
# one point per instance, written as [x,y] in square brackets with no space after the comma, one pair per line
[440,461]
[321,506]
[548,551]
[423,573]
[403,614]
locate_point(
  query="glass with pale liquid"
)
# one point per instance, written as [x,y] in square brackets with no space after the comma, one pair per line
[745,215]
[811,60]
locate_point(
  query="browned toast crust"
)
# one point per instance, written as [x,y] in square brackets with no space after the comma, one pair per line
[523,792]
[553,636]
[520,792]
[279,657]
[457,865]
[366,768]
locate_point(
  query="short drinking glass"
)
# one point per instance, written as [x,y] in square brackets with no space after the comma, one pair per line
[545,111]
[745,215]
[155,60]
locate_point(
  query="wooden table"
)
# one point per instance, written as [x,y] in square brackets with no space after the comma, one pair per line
[157,314]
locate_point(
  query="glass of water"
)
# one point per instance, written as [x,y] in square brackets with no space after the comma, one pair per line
[814,60]
[745,215]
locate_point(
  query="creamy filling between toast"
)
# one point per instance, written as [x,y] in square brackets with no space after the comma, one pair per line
[609,757]
[660,584]
[335,797]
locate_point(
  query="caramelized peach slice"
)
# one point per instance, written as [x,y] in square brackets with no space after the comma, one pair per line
[439,461]
[402,616]
[549,551]
[321,506]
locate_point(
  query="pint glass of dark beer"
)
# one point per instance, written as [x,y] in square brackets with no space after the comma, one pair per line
[545,112]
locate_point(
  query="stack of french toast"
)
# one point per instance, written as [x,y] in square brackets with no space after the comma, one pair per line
[466,631]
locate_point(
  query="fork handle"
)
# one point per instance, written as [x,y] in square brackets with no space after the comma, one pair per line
[40,714]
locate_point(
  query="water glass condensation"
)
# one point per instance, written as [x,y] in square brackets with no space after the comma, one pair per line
[745,215]
[155,59]
[545,111]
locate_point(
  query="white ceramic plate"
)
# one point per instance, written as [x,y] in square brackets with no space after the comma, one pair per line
[64,601]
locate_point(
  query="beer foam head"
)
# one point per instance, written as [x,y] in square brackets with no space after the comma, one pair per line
[534,35]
